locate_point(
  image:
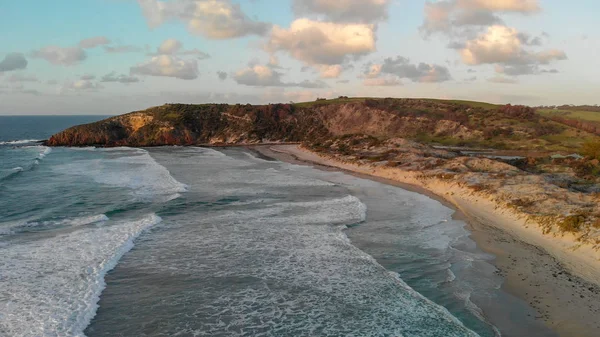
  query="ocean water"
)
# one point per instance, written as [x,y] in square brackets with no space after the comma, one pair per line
[184,241]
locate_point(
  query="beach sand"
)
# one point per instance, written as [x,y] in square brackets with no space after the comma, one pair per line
[563,289]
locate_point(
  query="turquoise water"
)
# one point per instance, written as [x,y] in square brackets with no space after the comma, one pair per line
[197,242]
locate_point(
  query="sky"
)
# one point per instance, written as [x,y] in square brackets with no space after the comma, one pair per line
[115,56]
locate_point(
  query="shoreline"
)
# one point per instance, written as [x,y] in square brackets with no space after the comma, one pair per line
[544,279]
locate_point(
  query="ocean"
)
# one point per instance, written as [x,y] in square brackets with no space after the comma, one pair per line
[190,241]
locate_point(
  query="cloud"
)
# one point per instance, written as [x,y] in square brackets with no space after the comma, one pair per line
[168,66]
[122,49]
[81,85]
[516,6]
[56,55]
[505,46]
[175,47]
[504,80]
[113,77]
[52,82]
[169,47]
[222,75]
[372,71]
[13,61]
[460,17]
[93,42]
[214,19]
[20,78]
[200,55]
[88,77]
[422,72]
[362,11]
[382,82]
[333,71]
[264,76]
[323,43]
[548,56]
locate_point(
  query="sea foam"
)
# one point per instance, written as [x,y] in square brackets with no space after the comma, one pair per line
[134,169]
[20,141]
[51,286]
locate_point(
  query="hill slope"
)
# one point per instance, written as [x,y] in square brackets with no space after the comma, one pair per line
[426,120]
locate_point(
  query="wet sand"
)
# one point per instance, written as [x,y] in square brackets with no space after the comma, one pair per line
[567,304]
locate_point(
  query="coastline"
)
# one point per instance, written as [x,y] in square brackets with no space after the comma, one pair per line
[562,288]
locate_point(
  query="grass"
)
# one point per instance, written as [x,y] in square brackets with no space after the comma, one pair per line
[591,116]
[473,104]
[568,140]
[331,101]
[483,105]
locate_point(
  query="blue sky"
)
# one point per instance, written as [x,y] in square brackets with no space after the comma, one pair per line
[103,56]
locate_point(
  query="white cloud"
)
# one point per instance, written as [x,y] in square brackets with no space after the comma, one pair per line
[113,77]
[56,55]
[504,46]
[258,75]
[170,47]
[13,61]
[122,49]
[168,66]
[94,42]
[175,47]
[323,43]
[518,6]
[373,71]
[80,85]
[333,71]
[461,17]
[214,19]
[264,76]
[382,82]
[365,11]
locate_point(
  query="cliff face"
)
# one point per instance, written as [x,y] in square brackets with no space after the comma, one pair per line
[446,122]
[179,124]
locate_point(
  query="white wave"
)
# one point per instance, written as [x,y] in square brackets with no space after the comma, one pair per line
[20,141]
[18,169]
[345,211]
[73,222]
[135,170]
[51,287]
[44,152]
[450,277]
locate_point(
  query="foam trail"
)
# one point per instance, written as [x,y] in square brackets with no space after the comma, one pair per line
[74,222]
[136,170]
[45,151]
[20,141]
[51,287]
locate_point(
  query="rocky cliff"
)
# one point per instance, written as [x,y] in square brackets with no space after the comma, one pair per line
[446,122]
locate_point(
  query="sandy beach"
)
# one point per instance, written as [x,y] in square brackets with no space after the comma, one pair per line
[557,276]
